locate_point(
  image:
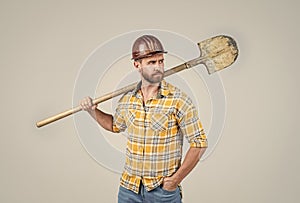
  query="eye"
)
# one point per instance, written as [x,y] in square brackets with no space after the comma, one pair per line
[161,61]
[152,62]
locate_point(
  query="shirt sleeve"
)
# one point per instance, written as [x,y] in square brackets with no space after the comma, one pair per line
[119,124]
[190,125]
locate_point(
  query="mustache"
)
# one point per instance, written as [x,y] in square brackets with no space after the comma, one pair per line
[158,71]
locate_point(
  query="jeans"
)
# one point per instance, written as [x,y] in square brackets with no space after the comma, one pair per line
[157,195]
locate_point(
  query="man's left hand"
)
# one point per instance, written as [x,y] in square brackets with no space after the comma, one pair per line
[170,184]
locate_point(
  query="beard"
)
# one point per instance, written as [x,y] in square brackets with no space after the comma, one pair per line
[153,78]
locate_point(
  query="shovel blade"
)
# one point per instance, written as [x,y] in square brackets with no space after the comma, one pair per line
[218,52]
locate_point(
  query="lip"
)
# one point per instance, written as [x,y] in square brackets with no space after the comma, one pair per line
[157,75]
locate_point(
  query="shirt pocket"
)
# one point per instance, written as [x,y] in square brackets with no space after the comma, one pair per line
[159,122]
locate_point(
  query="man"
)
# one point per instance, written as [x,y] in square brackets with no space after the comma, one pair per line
[156,116]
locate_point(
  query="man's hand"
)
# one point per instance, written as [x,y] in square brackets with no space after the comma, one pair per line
[170,183]
[104,119]
[192,157]
[87,105]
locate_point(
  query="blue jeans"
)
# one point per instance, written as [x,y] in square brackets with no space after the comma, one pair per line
[157,195]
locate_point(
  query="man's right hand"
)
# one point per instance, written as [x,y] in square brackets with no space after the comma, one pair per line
[87,104]
[104,119]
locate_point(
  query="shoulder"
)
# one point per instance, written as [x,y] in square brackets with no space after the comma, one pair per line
[125,98]
[176,92]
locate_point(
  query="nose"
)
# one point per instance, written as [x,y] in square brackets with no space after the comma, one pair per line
[159,66]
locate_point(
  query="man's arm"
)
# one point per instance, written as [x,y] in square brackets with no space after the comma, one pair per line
[105,120]
[190,161]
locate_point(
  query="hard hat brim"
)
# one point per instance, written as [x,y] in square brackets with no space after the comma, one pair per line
[148,55]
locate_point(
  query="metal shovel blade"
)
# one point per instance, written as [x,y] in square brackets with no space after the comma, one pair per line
[218,52]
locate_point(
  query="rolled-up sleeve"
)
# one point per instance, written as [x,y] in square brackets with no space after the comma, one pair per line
[191,127]
[119,124]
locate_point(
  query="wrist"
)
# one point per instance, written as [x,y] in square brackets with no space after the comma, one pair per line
[92,112]
[176,178]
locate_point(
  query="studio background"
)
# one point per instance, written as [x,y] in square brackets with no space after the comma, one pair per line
[44,44]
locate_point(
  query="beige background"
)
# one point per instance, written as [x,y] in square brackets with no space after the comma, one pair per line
[43,45]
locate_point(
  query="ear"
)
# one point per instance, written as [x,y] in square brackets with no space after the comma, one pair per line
[137,65]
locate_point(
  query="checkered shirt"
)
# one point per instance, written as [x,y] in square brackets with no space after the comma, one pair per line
[155,134]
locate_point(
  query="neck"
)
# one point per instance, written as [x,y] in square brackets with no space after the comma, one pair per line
[149,90]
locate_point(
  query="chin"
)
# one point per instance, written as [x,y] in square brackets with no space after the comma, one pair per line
[158,80]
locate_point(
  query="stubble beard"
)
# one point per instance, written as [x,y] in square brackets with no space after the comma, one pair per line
[153,78]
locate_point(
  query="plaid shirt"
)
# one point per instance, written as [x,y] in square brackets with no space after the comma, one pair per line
[155,134]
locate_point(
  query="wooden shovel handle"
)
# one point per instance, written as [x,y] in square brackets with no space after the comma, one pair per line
[58,116]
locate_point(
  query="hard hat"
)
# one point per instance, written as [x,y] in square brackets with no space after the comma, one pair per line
[145,46]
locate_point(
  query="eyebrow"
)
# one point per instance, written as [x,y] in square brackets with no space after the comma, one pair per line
[153,61]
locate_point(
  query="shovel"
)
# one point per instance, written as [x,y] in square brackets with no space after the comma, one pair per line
[217,53]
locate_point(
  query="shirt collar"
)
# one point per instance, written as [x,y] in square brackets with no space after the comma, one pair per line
[164,89]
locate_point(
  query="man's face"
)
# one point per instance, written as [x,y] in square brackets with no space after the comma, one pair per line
[151,68]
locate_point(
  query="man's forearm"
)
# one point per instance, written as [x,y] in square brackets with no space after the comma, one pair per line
[190,161]
[105,120]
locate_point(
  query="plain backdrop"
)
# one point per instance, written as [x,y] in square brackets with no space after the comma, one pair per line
[43,45]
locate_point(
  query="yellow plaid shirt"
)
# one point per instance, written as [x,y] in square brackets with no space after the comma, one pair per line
[155,134]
